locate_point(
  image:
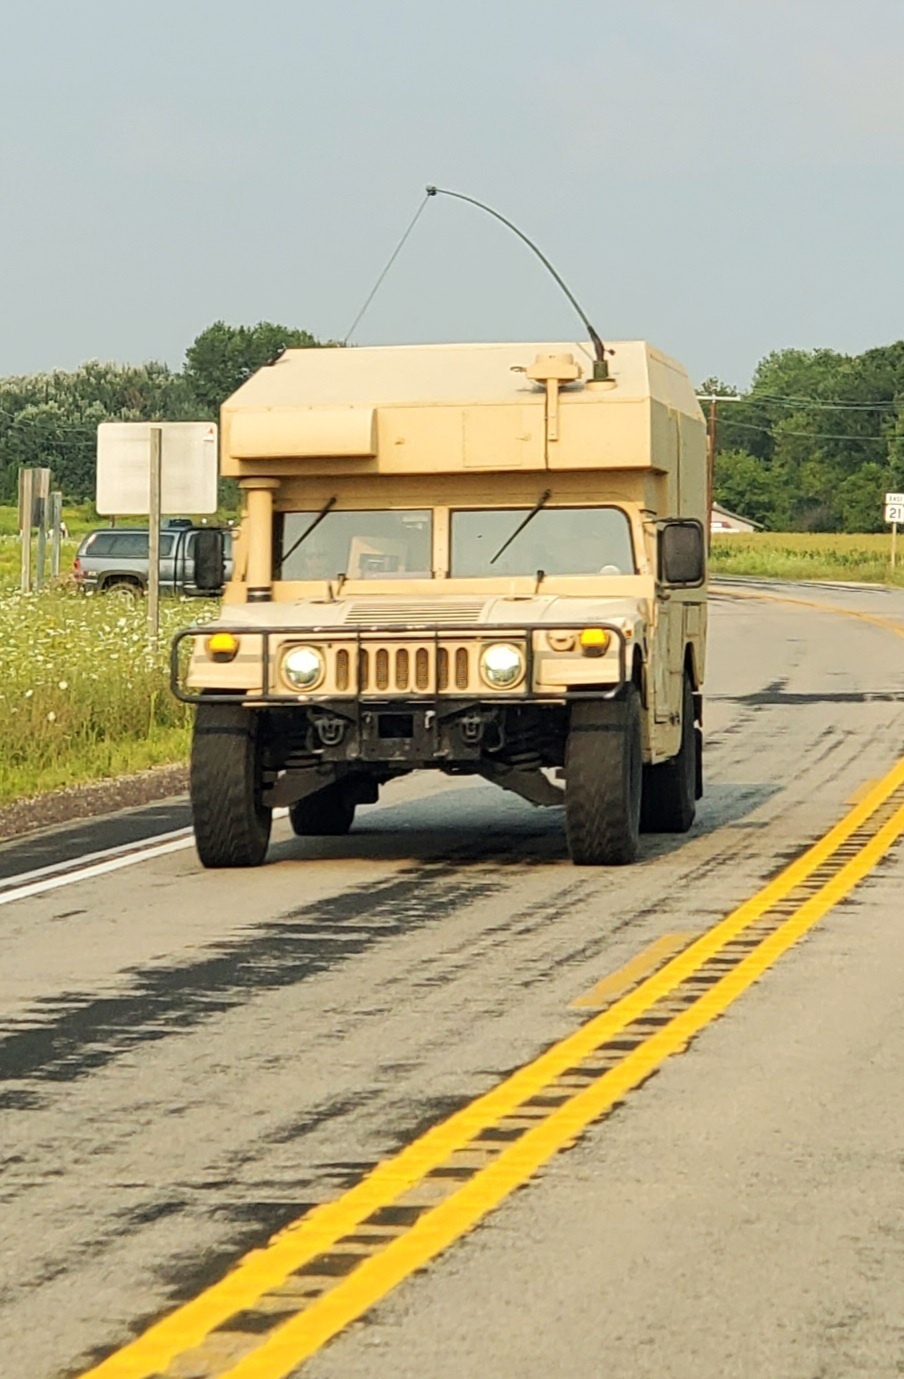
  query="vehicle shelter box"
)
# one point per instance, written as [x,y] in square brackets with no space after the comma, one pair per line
[442,409]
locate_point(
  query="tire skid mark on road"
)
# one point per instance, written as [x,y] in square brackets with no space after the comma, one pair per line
[281,1304]
[67,1037]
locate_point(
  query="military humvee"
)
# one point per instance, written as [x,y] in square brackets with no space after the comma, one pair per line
[472,558]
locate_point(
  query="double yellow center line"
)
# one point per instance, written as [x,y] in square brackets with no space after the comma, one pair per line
[282,1303]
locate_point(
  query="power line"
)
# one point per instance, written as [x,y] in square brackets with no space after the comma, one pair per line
[817,404]
[808,435]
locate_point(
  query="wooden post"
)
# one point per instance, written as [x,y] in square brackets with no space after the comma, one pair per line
[894,544]
[154,484]
[56,522]
[26,513]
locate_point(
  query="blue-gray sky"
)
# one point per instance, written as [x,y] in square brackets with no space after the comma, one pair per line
[723,177]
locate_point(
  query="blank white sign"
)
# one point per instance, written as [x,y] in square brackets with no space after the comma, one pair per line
[188,465]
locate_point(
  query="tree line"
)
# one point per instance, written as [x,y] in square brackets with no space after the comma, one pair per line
[812,446]
[51,419]
[816,443]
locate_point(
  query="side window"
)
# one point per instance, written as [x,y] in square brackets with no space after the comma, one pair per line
[100,544]
[130,545]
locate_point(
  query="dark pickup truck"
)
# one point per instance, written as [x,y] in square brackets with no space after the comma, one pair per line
[115,559]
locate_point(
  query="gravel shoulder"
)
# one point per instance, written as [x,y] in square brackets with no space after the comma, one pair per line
[79,802]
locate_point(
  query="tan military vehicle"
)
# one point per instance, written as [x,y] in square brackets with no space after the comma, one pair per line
[471,558]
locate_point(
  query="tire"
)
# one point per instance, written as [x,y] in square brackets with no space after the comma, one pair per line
[603,775]
[328,813]
[670,790]
[122,589]
[232,826]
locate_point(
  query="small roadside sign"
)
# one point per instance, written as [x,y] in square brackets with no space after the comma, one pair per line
[894,513]
[188,467]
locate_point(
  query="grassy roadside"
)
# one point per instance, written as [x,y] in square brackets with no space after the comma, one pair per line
[82,696]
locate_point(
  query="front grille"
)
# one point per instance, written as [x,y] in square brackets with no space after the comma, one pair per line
[423,669]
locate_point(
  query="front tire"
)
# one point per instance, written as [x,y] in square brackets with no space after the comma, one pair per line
[328,813]
[670,789]
[232,825]
[603,774]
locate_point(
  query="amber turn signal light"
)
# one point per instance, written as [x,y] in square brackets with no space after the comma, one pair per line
[594,641]
[222,646]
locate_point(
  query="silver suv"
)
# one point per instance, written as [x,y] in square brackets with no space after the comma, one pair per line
[116,559]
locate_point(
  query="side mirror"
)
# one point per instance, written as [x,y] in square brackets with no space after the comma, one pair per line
[210,559]
[682,554]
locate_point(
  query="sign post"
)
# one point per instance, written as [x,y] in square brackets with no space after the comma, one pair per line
[894,513]
[56,532]
[155,470]
[26,517]
[34,492]
[41,503]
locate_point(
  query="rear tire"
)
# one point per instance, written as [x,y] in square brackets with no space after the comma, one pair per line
[603,775]
[122,589]
[670,790]
[328,813]
[232,825]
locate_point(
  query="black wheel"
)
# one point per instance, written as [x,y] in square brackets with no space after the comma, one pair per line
[670,790]
[125,589]
[603,772]
[232,826]
[329,813]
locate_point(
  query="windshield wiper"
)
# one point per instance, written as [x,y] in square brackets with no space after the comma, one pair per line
[540,503]
[327,507]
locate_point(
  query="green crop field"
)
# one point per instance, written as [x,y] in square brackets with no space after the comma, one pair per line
[806,555]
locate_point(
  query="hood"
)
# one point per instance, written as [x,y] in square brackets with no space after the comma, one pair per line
[410,613]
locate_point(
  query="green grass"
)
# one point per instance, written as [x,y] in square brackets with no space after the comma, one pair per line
[805,555]
[82,695]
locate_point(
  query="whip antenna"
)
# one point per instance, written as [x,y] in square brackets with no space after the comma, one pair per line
[600,367]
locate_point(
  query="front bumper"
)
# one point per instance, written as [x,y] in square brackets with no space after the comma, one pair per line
[365,665]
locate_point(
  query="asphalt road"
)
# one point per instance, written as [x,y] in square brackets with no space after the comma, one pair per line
[189,1061]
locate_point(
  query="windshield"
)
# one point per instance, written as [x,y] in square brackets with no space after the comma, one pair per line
[559,541]
[360,545]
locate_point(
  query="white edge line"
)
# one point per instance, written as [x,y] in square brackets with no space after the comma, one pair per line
[53,883]
[87,858]
[67,873]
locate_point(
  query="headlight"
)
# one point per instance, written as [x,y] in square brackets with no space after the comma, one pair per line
[502,665]
[303,667]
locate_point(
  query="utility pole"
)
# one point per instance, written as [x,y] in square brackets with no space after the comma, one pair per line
[713,399]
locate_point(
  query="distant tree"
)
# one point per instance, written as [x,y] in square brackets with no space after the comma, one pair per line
[828,430]
[750,487]
[51,419]
[220,359]
[860,498]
